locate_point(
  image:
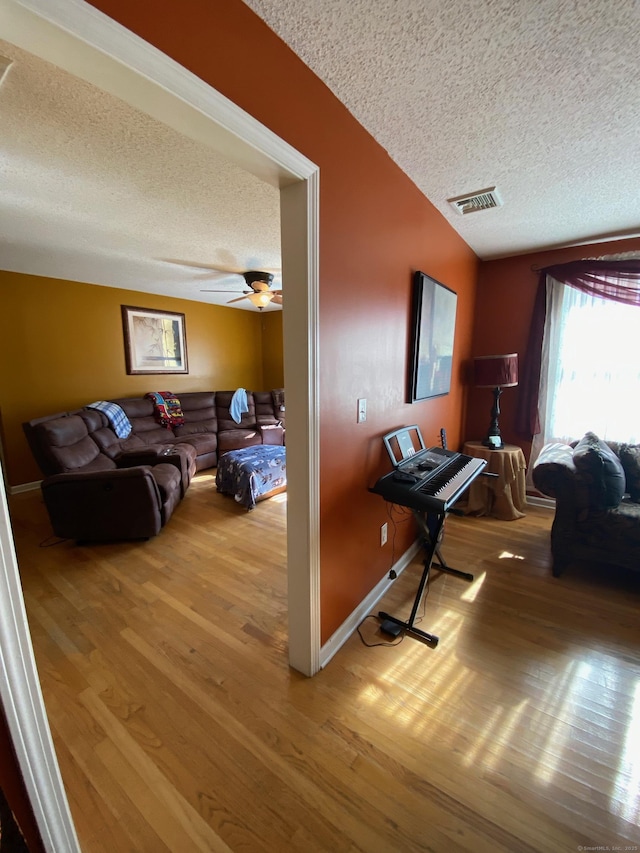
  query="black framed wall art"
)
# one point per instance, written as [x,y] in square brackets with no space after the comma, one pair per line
[433,323]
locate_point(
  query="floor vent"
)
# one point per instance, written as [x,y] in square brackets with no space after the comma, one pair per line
[479,200]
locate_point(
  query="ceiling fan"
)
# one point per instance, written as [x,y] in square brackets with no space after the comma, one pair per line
[258,281]
[259,293]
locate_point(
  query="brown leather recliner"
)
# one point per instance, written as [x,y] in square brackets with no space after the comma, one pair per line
[132,451]
[91,497]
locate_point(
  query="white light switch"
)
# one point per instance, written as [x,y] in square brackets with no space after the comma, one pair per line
[362,410]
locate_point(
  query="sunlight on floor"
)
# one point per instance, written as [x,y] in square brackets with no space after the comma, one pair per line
[436,682]
[627,783]
[506,555]
[582,720]
[472,591]
[495,736]
[554,718]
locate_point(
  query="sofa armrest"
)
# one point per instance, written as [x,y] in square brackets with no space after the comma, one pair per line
[554,468]
[158,455]
[555,474]
[140,456]
[104,505]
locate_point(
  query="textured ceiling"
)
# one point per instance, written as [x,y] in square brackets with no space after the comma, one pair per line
[537,97]
[95,190]
[540,98]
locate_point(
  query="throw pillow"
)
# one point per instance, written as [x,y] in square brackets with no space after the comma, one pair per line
[592,456]
[630,458]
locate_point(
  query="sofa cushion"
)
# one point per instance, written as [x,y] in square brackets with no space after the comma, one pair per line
[112,446]
[104,436]
[630,458]
[225,421]
[71,447]
[140,412]
[594,457]
[201,443]
[265,412]
[235,439]
[199,410]
[167,478]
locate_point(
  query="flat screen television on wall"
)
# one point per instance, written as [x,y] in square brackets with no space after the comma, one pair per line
[433,323]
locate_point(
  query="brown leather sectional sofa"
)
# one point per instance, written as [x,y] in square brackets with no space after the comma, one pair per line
[98,487]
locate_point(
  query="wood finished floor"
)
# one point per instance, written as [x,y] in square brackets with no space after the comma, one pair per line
[180,727]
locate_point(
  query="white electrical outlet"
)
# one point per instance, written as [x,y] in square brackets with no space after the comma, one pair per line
[362,410]
[383,534]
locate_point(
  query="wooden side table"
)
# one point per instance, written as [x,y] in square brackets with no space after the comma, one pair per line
[504,496]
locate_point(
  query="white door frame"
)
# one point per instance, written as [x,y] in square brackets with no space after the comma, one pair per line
[85,42]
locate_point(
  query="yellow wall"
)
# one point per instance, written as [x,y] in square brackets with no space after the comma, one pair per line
[62,347]
[272,352]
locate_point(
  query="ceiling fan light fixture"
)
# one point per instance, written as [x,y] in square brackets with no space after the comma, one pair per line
[258,280]
[261,299]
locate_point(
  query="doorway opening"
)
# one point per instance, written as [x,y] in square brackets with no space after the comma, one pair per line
[84,42]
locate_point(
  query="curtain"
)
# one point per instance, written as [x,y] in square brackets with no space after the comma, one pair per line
[608,278]
[590,376]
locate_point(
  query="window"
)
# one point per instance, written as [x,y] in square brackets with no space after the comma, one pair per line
[590,377]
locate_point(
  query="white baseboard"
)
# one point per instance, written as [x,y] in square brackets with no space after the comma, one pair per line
[534,500]
[339,638]
[24,487]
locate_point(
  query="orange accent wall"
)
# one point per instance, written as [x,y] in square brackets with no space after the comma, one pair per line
[506,293]
[376,228]
[62,347]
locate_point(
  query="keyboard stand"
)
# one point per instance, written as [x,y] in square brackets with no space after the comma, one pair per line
[431,525]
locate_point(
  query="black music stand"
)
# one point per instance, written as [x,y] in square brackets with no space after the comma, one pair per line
[432,527]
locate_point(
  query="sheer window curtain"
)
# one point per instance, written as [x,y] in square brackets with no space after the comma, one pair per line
[582,365]
[590,376]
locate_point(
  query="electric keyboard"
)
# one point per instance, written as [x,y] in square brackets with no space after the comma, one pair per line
[436,487]
[428,479]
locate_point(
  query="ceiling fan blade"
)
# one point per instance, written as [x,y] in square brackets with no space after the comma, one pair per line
[199,266]
[274,271]
[239,299]
[277,299]
[207,290]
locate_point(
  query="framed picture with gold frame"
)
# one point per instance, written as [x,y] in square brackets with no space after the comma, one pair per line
[154,341]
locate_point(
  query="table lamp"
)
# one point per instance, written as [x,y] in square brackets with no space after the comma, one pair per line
[497,372]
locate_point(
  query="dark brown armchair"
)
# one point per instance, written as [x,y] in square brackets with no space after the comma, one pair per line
[91,497]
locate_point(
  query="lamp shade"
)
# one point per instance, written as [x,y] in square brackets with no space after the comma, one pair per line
[496,371]
[261,299]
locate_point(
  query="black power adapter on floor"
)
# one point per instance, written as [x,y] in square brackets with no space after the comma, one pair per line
[391,628]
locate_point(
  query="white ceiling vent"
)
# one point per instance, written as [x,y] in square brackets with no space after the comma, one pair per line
[479,200]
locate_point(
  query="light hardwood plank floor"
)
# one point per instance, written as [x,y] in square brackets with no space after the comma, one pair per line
[180,727]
